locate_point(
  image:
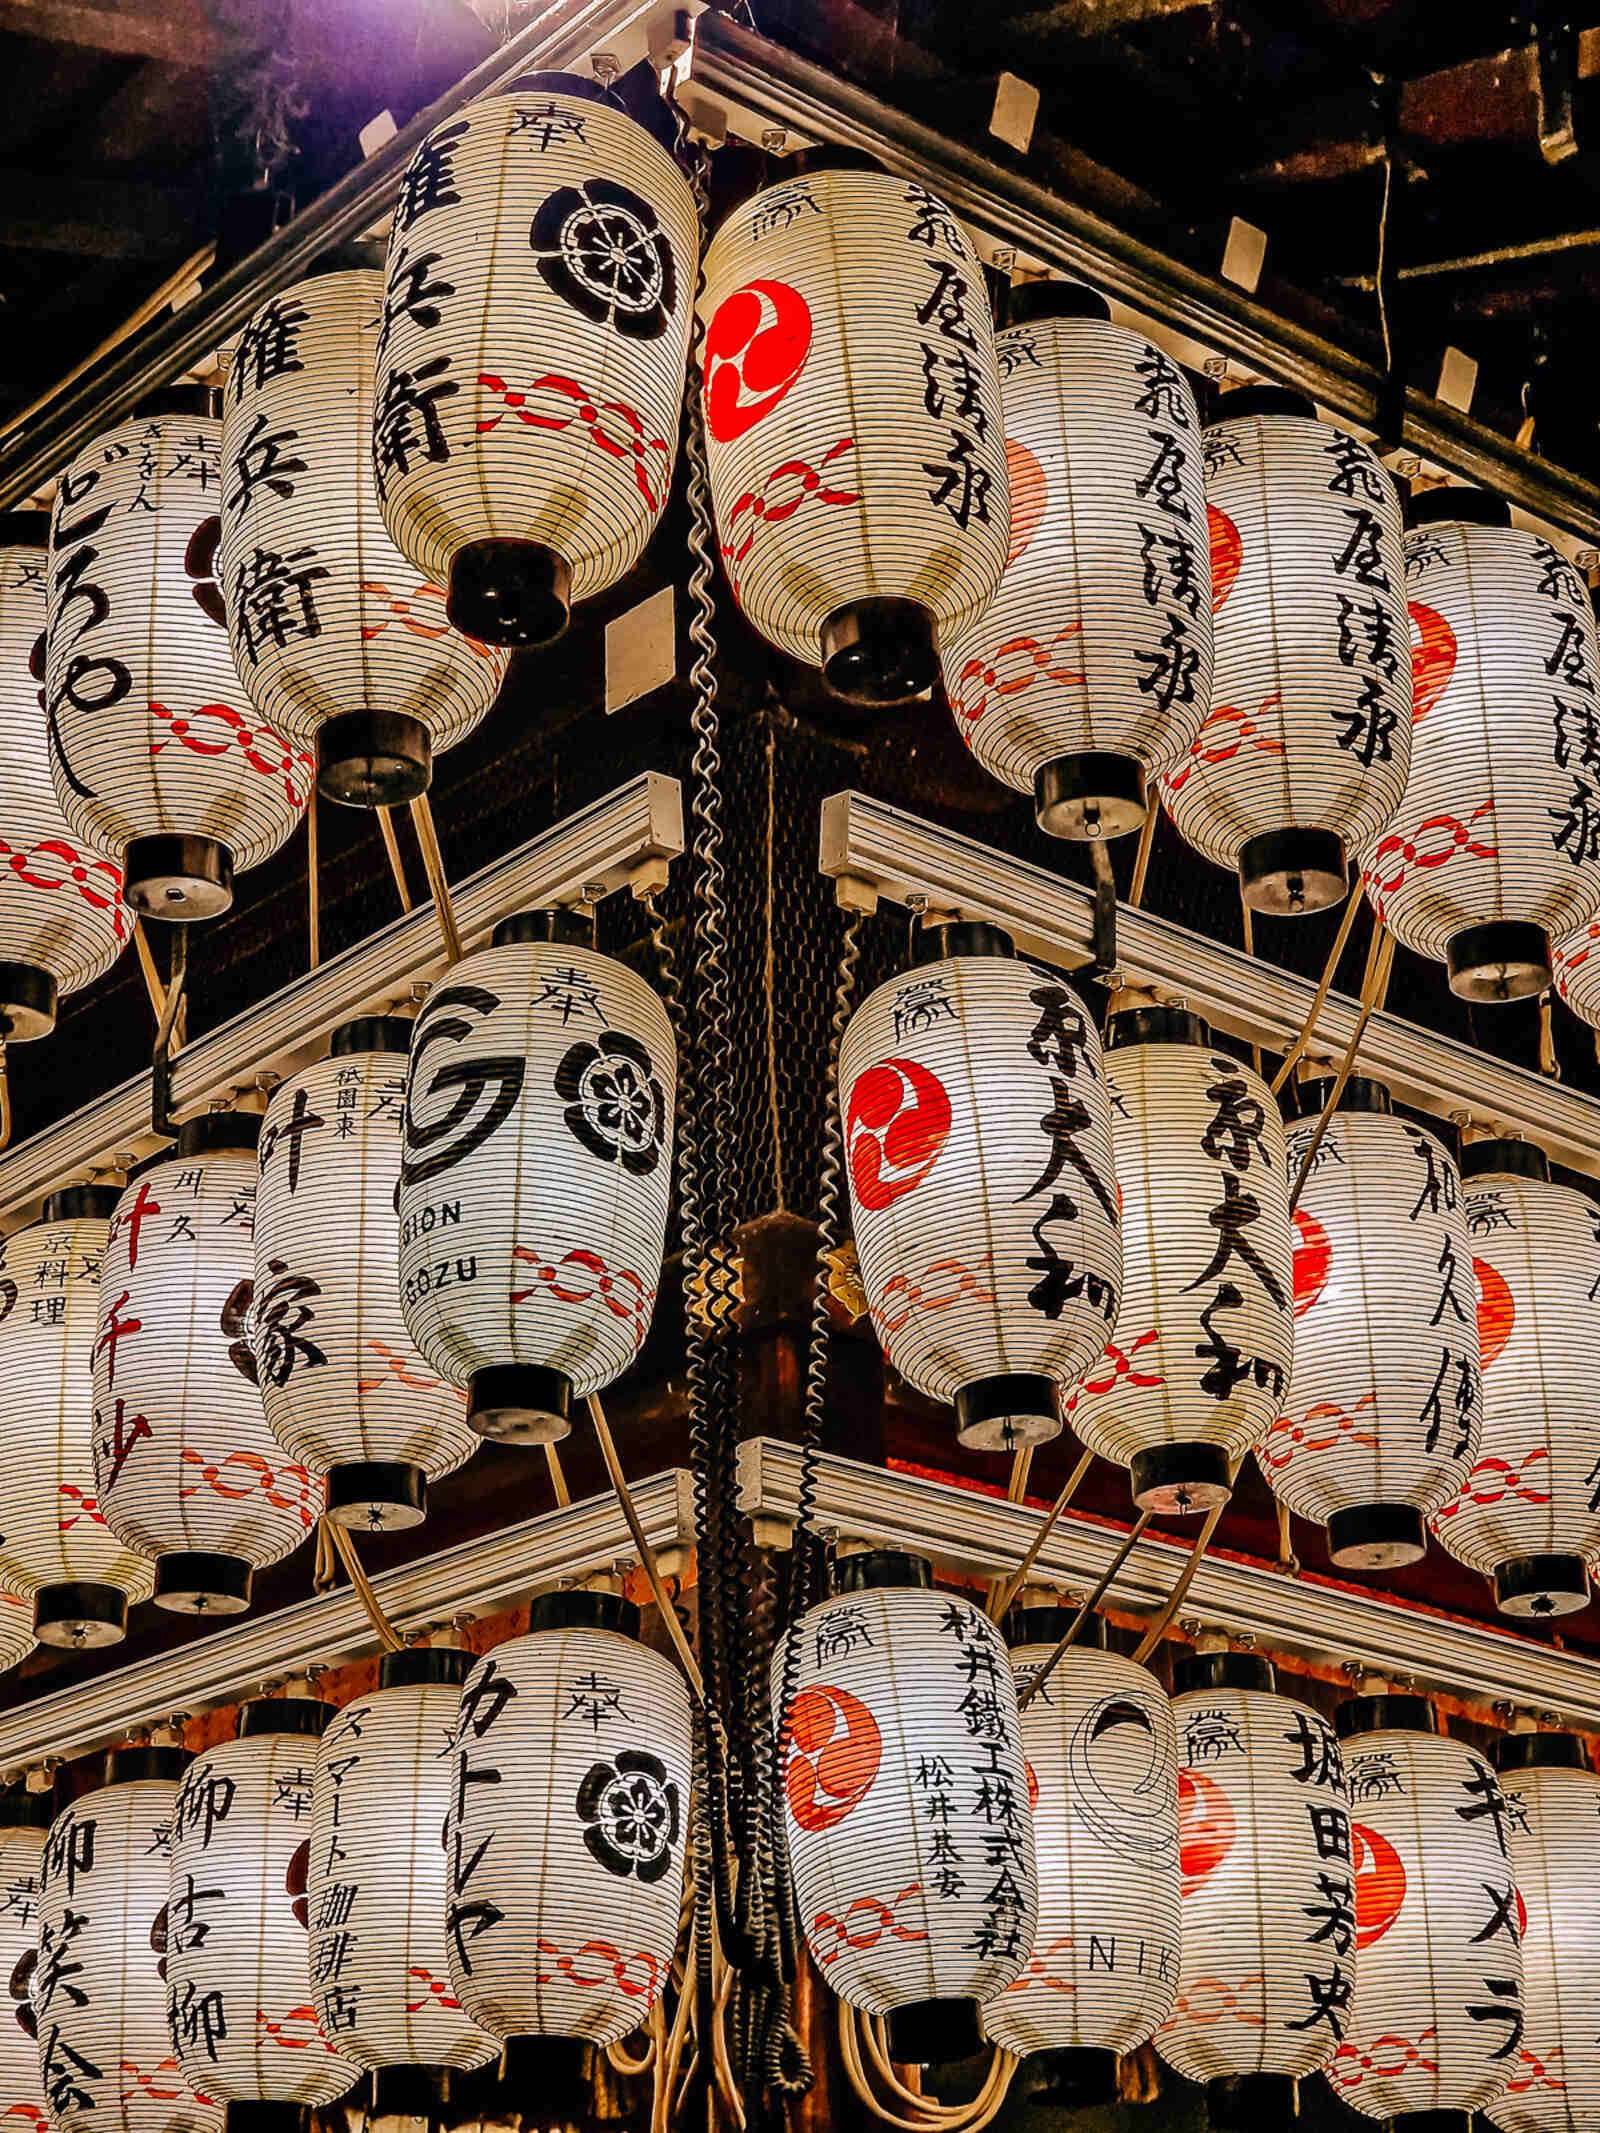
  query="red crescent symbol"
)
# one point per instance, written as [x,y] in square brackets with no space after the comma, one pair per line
[1206,1827]
[897,1123]
[1433,658]
[1227,553]
[835,1749]
[1313,1255]
[1497,1313]
[756,346]
[1029,495]
[1380,1879]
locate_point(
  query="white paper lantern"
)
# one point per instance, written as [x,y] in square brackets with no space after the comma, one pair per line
[1090,671]
[337,639]
[1575,964]
[977,1136]
[57,1548]
[906,1803]
[1103,1776]
[854,426]
[538,1167]
[186,1468]
[159,764]
[1528,1512]
[1199,1363]
[1269,1920]
[1386,1401]
[17,1640]
[531,360]
[1302,759]
[345,1392]
[1496,850]
[100,1987]
[62,919]
[244,2017]
[24,1818]
[1437,2019]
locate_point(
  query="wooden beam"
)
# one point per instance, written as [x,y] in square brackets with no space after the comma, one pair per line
[172,30]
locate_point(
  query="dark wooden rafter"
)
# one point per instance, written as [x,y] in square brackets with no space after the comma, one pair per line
[173,31]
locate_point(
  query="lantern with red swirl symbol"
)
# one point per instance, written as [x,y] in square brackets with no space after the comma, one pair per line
[1528,1513]
[100,1986]
[1302,759]
[1386,1400]
[1268,1944]
[24,1818]
[339,641]
[978,1143]
[186,1468]
[906,1802]
[1436,2019]
[1103,1771]
[345,1392]
[157,763]
[1090,671]
[854,428]
[1199,1362]
[533,1194]
[248,2026]
[62,919]
[1495,853]
[532,352]
[1575,965]
[57,1548]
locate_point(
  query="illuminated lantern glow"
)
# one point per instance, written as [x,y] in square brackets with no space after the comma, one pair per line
[1436,2021]
[1199,1362]
[186,1469]
[100,1986]
[1102,1761]
[62,920]
[530,365]
[1268,1955]
[880,1760]
[1386,1404]
[538,1166]
[346,1394]
[158,764]
[1527,1515]
[855,434]
[1090,671]
[16,1630]
[1575,963]
[977,1131]
[57,1549]
[1496,850]
[1302,758]
[24,1818]
[241,2006]
[338,641]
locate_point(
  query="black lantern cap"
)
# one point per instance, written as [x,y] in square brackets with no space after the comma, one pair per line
[1538,1751]
[81,1203]
[1092,794]
[186,397]
[830,155]
[259,2115]
[1397,1712]
[1535,1587]
[28,999]
[284,1714]
[520,1403]
[1174,1480]
[1013,1408]
[373,758]
[1456,506]
[1048,1625]
[425,1666]
[371,1033]
[1034,301]
[880,1569]
[1249,2103]
[962,936]
[1074,2078]
[584,1610]
[214,1132]
[1516,1159]
[1360,1093]
[559,925]
[353,256]
[199,1581]
[541,2079]
[24,529]
[553,81]
[1287,873]
[80,1614]
[1156,1025]
[128,1766]
[1262,400]
[377,1495]
[934,2032]
[516,593]
[1376,1536]
[22,1809]
[881,650]
[179,879]
[1503,959]
[1222,1670]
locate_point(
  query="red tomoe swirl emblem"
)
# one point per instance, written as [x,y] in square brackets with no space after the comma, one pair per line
[1227,553]
[756,347]
[1313,1256]
[1206,1827]
[834,1752]
[1380,1878]
[896,1125]
[1433,658]
[1497,1311]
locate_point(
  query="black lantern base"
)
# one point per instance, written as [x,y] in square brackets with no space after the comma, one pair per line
[181,879]
[1289,872]
[516,593]
[542,2077]
[1535,1587]
[193,1582]
[27,1002]
[1248,2103]
[1377,1536]
[373,758]
[934,2032]
[1174,1479]
[1075,2079]
[1001,1414]
[80,1615]
[257,2116]
[520,1403]
[410,2091]
[880,651]
[377,1495]
[1505,960]
[1095,794]
[1434,2122]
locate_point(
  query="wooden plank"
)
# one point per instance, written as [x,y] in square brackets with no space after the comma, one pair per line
[172,30]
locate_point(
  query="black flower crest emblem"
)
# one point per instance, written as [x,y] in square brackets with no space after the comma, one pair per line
[603,251]
[631,1807]
[615,1105]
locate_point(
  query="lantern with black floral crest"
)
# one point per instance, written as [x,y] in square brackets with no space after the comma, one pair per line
[854,430]
[186,1468]
[1527,1514]
[157,765]
[1386,1399]
[1089,673]
[25,1816]
[62,919]
[538,1163]
[1435,2023]
[1199,1362]
[905,1790]
[57,1548]
[346,1394]
[101,1989]
[531,358]
[1302,758]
